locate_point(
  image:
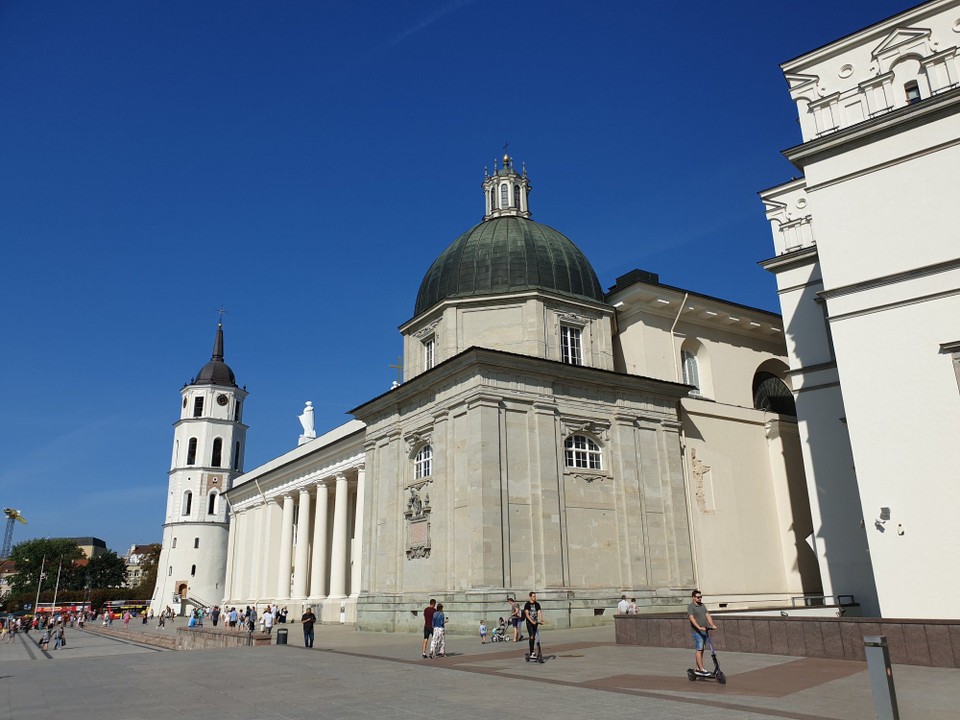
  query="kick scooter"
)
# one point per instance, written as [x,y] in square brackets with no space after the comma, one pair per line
[539,654]
[716,674]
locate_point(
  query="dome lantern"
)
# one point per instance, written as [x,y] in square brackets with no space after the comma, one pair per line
[506,191]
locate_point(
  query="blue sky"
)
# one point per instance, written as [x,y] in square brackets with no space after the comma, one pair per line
[303,163]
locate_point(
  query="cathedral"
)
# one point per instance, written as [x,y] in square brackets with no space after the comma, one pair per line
[547,435]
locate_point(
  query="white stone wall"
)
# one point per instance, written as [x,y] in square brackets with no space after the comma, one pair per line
[881,184]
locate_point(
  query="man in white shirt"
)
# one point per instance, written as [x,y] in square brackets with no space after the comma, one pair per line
[267,620]
[623,605]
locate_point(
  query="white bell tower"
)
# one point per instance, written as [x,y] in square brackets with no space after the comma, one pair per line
[209,441]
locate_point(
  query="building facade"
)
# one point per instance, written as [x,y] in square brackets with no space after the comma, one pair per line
[208,446]
[547,435]
[868,268]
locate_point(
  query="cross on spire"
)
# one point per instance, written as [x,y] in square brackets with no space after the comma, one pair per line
[221,312]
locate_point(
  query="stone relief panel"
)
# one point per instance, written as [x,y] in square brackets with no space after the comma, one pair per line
[417,517]
[702,485]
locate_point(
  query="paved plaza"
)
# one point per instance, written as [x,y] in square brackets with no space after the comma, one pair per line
[351,674]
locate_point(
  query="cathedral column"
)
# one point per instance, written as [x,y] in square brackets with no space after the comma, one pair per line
[318,571]
[286,549]
[301,568]
[356,552]
[261,552]
[338,555]
[258,521]
[228,580]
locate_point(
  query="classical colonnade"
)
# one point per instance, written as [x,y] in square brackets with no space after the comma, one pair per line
[298,544]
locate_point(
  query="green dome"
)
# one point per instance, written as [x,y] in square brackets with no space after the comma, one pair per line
[508,254]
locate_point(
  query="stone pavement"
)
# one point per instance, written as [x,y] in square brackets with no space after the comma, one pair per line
[351,674]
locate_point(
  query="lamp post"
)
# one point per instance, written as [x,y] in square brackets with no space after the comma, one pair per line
[56,589]
[39,585]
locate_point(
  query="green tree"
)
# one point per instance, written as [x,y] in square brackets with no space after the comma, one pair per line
[107,570]
[48,552]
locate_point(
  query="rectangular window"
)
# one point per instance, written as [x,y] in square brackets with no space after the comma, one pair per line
[912,90]
[429,353]
[570,345]
[236,412]
[196,542]
[197,407]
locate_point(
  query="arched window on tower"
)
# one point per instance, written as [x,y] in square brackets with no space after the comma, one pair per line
[187,504]
[236,411]
[217,452]
[236,456]
[504,195]
[212,503]
[192,452]
[691,371]
[423,464]
[516,196]
[579,451]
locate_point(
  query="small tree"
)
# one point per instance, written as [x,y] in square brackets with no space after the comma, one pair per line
[107,571]
[29,556]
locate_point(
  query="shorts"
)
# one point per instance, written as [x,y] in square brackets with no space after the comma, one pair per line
[427,632]
[699,640]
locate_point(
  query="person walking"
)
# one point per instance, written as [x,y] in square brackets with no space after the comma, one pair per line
[700,621]
[438,646]
[268,620]
[428,612]
[308,621]
[533,614]
[515,618]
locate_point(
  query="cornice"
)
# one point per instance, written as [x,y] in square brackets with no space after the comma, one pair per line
[895,121]
[789,259]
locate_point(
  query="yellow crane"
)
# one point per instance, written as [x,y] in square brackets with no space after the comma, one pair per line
[12,516]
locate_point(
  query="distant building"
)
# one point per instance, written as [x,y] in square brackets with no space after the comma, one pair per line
[92,547]
[135,558]
[8,568]
[868,268]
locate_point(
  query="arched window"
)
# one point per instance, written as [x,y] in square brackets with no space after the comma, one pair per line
[579,451]
[212,503]
[504,195]
[187,502]
[217,452]
[236,411]
[691,371]
[193,570]
[771,394]
[174,542]
[516,196]
[192,452]
[236,456]
[493,199]
[423,465]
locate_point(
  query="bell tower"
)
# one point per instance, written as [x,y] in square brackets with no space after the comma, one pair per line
[209,441]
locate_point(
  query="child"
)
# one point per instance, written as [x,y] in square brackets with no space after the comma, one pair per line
[483,632]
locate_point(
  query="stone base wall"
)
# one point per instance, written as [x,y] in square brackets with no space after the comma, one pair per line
[189,638]
[465,610]
[934,643]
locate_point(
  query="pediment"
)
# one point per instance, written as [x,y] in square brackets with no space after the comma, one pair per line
[899,37]
[795,80]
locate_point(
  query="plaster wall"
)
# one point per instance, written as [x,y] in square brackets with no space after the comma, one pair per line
[902,414]
[882,211]
[748,499]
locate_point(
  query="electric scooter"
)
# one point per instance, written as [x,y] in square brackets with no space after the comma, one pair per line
[716,674]
[539,655]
